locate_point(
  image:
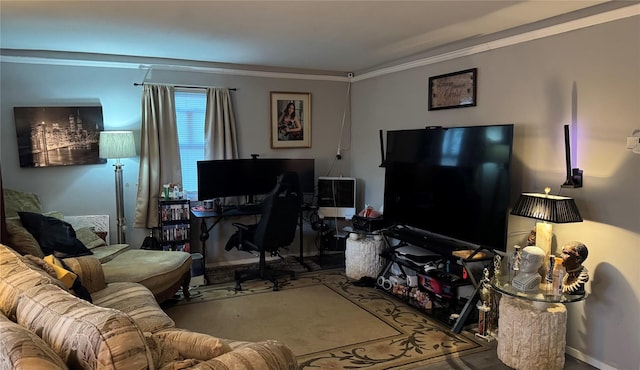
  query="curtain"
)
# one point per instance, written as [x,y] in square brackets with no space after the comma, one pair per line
[159,152]
[220,140]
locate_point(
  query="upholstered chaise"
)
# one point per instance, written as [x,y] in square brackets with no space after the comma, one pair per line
[161,272]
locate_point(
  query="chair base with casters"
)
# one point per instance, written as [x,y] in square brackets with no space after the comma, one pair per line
[276,229]
[263,272]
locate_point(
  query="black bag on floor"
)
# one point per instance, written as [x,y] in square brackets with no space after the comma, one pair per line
[151,243]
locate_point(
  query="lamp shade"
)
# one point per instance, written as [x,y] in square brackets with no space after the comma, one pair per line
[117,144]
[545,207]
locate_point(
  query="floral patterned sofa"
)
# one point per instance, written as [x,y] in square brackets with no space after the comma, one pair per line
[45,326]
[161,272]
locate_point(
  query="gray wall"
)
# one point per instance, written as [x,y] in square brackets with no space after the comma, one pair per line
[594,74]
[90,189]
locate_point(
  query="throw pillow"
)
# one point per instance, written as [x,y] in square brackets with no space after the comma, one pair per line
[16,201]
[53,235]
[89,238]
[22,241]
[69,278]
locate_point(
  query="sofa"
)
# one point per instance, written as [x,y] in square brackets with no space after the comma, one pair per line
[164,273]
[45,325]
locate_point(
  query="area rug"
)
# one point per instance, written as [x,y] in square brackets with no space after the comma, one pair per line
[328,322]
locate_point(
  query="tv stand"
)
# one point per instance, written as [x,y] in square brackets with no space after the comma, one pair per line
[434,274]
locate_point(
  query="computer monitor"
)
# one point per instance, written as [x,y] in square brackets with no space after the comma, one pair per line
[336,197]
[249,177]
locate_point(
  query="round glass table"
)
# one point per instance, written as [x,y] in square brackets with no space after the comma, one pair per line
[540,297]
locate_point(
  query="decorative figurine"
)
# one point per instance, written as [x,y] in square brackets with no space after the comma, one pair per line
[497,265]
[531,239]
[528,279]
[484,307]
[573,255]
[485,289]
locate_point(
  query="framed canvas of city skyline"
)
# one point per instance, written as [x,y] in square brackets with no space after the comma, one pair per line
[58,136]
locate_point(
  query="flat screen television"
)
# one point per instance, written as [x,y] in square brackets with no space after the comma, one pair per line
[336,197]
[249,177]
[453,182]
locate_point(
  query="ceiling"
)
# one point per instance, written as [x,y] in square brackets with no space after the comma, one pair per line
[338,36]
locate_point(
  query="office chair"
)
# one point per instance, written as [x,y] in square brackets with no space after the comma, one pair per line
[276,229]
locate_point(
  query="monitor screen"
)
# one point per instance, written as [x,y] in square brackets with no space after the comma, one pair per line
[453,182]
[336,197]
[240,177]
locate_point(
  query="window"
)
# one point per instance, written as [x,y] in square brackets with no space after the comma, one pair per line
[190,111]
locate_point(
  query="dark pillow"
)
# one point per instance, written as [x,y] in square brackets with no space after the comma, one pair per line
[54,236]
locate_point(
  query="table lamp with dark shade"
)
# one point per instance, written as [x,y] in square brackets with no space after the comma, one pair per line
[117,145]
[548,209]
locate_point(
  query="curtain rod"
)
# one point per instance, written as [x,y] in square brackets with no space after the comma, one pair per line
[183,87]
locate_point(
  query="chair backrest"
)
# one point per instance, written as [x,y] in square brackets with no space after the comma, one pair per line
[280,214]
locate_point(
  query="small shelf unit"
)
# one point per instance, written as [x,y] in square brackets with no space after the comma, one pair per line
[175,225]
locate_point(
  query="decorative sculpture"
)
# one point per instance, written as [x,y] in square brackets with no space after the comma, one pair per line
[484,307]
[573,255]
[528,278]
[497,265]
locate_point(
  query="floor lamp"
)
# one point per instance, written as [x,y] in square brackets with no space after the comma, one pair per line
[117,145]
[547,209]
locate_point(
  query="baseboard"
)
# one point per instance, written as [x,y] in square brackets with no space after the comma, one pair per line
[587,359]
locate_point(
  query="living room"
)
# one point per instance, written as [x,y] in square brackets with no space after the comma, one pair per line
[587,74]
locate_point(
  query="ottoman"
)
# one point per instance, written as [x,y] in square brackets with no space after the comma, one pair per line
[362,256]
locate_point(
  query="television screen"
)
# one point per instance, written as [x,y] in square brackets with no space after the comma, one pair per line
[240,177]
[452,182]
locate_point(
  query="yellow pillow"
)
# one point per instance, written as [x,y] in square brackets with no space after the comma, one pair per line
[67,277]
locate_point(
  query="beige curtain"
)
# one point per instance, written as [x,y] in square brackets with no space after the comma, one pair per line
[219,126]
[159,152]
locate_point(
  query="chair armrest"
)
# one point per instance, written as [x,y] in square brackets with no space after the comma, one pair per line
[241,226]
[89,270]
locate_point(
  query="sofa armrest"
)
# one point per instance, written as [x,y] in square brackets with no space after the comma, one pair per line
[192,345]
[270,354]
[89,269]
[23,349]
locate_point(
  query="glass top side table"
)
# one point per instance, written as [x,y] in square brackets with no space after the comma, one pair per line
[540,297]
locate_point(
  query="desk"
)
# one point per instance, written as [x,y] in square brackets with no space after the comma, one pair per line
[532,327]
[232,211]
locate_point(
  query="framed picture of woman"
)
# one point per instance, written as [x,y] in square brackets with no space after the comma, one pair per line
[290,120]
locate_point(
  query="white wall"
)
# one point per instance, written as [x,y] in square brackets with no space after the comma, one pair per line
[90,189]
[594,74]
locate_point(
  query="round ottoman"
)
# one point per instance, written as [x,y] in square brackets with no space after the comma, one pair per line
[362,256]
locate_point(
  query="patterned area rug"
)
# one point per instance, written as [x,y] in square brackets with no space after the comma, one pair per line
[327,321]
[223,274]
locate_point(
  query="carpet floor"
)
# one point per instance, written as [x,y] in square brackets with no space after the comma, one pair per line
[328,322]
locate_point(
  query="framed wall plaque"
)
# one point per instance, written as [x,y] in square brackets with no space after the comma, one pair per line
[453,90]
